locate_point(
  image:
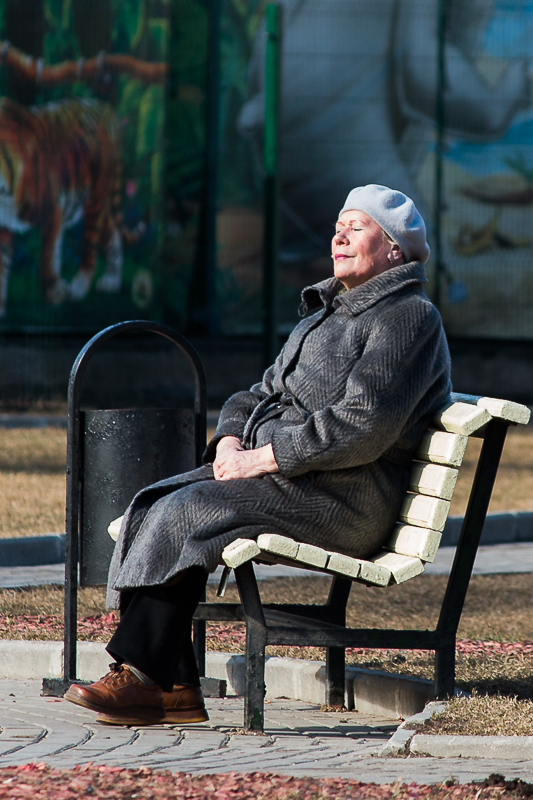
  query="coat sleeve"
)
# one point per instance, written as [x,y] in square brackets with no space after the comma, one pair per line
[405,361]
[237,410]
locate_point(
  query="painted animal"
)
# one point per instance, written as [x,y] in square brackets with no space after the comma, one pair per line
[59,164]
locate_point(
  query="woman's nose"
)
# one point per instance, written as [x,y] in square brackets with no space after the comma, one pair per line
[340,235]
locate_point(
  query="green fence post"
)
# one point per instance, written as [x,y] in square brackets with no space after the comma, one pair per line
[202,292]
[212,163]
[439,151]
[271,183]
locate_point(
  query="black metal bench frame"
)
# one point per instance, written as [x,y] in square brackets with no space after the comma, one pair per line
[325,625]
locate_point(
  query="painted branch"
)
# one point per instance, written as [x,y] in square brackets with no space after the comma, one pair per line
[33,70]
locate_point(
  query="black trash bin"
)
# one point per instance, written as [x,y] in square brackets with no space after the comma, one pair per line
[111,455]
[123,451]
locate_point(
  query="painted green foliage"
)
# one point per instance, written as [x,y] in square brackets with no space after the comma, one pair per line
[238,179]
[162,146]
[73,31]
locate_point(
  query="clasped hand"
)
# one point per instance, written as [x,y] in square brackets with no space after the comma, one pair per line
[233,461]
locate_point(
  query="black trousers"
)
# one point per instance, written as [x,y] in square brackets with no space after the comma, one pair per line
[154,632]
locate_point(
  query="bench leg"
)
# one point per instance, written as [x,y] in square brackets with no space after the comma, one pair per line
[254,699]
[335,658]
[198,642]
[335,676]
[445,672]
[256,641]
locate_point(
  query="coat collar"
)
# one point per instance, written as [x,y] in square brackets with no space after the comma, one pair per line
[362,297]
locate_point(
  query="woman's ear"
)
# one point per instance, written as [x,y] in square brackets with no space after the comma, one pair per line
[396,256]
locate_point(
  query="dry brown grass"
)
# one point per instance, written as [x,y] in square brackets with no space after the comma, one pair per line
[497,608]
[483,716]
[49,600]
[513,489]
[415,605]
[32,475]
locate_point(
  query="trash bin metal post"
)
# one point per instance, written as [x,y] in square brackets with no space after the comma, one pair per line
[74,459]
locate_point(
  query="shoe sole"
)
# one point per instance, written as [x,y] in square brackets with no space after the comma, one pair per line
[132,717]
[186,715]
[139,715]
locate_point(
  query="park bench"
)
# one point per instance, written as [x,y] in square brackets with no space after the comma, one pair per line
[413,542]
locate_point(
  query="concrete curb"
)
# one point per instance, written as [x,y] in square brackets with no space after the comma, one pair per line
[399,743]
[516,748]
[33,551]
[500,528]
[60,420]
[33,421]
[406,742]
[367,691]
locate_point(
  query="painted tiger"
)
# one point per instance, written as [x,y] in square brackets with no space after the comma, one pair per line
[60,163]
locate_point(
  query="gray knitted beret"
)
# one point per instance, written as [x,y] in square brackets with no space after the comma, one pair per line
[396,214]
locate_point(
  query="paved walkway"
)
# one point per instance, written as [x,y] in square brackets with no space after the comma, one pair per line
[300,740]
[490,558]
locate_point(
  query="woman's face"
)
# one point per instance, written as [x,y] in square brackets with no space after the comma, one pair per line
[359,249]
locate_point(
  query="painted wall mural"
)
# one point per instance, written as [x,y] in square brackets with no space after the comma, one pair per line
[360,84]
[81,160]
[102,154]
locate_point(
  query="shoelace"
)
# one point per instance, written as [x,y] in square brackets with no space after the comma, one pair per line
[114,670]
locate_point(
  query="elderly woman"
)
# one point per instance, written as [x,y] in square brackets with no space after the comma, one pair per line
[318,451]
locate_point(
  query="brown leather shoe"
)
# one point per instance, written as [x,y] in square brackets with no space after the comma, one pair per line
[120,698]
[184,704]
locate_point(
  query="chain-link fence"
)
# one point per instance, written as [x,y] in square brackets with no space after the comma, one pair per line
[433,97]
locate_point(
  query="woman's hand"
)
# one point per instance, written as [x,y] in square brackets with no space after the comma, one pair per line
[233,461]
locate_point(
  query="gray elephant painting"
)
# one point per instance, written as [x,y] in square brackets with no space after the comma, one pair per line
[359,91]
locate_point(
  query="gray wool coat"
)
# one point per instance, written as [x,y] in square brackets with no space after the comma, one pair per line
[344,407]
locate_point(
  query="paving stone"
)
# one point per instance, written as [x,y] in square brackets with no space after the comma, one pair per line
[300,741]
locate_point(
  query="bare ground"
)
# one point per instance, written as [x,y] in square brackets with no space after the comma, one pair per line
[498,607]
[32,475]
[117,783]
[498,611]
[483,716]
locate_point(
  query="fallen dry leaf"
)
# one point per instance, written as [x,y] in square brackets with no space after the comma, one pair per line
[118,783]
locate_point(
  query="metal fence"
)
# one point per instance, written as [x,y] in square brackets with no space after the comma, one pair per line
[429,96]
[433,97]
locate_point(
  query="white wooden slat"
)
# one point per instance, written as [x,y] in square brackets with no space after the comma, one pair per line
[358,569]
[500,409]
[439,447]
[265,557]
[344,565]
[433,479]
[461,418]
[505,409]
[315,556]
[424,511]
[113,528]
[402,567]
[240,551]
[279,545]
[408,540]
[377,574]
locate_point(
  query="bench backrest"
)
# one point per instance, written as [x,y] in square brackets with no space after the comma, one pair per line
[416,537]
